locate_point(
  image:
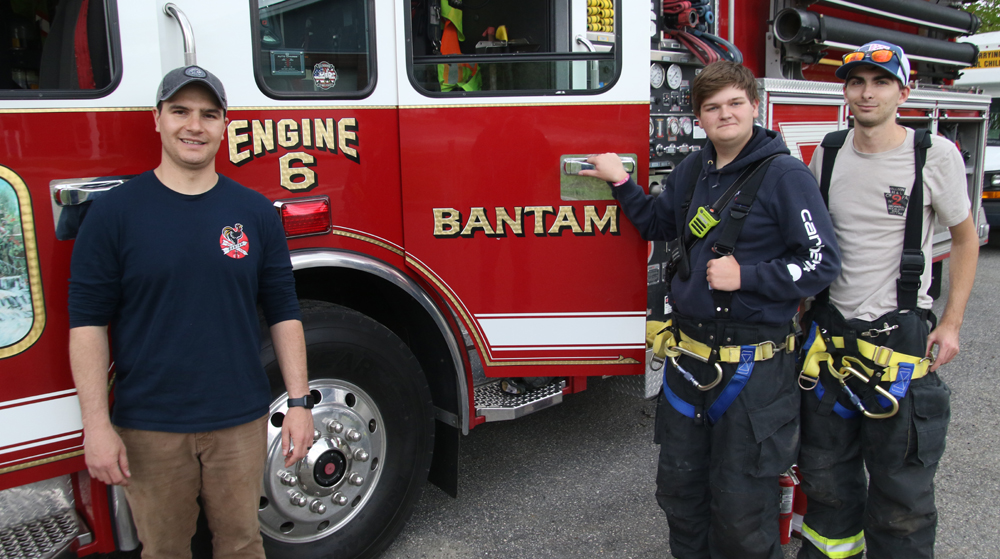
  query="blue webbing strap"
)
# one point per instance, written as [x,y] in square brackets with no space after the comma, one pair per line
[899,386]
[728,395]
[681,406]
[839,409]
[735,385]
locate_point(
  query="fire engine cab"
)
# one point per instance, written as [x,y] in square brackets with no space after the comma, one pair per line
[423,158]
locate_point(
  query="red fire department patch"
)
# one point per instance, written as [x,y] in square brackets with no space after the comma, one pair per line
[234,242]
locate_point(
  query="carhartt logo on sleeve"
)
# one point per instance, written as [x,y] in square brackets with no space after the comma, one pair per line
[896,200]
[234,242]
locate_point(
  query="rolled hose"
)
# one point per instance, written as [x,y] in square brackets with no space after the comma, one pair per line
[802,27]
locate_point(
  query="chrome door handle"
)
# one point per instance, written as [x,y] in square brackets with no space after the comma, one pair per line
[73,192]
[573,165]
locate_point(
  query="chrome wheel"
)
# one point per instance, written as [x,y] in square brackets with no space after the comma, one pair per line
[321,493]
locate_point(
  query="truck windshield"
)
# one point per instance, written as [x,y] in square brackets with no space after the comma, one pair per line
[993,134]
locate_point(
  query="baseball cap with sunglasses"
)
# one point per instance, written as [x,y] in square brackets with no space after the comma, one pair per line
[885,55]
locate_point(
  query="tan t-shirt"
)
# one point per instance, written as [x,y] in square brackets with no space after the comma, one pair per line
[869,193]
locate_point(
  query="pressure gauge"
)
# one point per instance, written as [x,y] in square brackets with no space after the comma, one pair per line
[651,130]
[686,125]
[674,76]
[673,126]
[656,75]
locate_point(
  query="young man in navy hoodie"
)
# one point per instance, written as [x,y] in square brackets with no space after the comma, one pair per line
[723,446]
[173,264]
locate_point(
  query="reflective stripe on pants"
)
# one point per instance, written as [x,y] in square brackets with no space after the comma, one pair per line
[835,549]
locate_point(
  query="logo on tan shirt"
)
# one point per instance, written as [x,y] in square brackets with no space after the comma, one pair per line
[896,200]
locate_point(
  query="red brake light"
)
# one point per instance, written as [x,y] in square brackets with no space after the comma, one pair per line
[305,216]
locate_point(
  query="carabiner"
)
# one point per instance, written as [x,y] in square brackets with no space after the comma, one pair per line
[690,378]
[883,392]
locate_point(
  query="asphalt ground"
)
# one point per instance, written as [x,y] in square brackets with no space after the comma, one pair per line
[577,480]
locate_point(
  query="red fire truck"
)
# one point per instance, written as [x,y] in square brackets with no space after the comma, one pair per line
[422,156]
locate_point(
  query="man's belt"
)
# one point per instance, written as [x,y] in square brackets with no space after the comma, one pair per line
[883,357]
[895,367]
[661,338]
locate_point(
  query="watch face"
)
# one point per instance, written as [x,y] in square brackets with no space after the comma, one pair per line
[674,76]
[656,75]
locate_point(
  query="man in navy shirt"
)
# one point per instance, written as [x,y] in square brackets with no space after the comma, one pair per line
[172,265]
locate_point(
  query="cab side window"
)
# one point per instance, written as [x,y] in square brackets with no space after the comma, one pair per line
[528,47]
[22,315]
[57,48]
[317,48]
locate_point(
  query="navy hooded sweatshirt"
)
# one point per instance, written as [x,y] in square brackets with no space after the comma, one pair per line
[786,250]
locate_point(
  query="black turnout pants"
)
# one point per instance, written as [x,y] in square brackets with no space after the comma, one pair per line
[718,484]
[894,512]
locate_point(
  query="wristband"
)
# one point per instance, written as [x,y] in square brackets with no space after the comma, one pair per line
[621,182]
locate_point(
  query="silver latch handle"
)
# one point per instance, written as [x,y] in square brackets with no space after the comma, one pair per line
[187,32]
[73,192]
[573,165]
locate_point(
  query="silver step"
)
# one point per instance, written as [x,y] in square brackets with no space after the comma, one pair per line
[496,405]
[44,538]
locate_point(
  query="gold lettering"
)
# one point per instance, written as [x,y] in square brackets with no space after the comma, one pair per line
[237,140]
[565,218]
[610,219]
[263,137]
[539,213]
[288,133]
[447,222]
[504,217]
[348,137]
[307,140]
[326,135]
[289,173]
[477,220]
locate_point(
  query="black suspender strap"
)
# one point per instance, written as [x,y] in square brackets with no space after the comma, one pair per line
[738,210]
[912,263]
[832,143]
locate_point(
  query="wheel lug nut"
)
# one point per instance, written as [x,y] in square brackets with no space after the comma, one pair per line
[333,426]
[353,436]
[316,434]
[287,478]
[339,499]
[360,455]
[317,506]
[336,441]
[298,499]
[355,479]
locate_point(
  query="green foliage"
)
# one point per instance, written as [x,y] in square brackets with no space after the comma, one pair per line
[989,12]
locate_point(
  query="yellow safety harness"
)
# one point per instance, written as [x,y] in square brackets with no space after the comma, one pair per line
[667,343]
[886,360]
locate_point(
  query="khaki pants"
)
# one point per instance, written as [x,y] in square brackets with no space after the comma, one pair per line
[170,470]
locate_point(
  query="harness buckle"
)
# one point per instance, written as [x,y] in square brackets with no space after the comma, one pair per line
[807,379]
[882,356]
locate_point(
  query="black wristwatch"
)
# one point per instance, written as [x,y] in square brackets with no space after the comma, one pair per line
[306,402]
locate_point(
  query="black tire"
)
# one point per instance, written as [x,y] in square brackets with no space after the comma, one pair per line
[349,353]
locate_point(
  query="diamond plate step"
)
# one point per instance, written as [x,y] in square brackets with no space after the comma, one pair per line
[42,538]
[496,405]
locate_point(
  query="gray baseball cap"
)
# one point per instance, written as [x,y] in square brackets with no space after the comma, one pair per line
[179,77]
